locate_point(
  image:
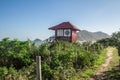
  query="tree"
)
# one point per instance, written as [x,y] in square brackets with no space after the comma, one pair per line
[116,37]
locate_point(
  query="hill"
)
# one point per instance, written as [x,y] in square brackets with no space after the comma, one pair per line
[37,42]
[85,35]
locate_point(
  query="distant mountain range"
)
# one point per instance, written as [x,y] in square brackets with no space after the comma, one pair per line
[84,36]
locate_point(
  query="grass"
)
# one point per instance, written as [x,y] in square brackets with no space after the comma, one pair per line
[113,72]
[87,73]
[91,71]
[115,59]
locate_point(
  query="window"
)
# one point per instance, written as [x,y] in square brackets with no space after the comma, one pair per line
[60,32]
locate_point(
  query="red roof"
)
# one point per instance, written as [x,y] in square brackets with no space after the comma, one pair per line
[64,25]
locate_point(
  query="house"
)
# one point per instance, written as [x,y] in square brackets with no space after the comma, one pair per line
[65,31]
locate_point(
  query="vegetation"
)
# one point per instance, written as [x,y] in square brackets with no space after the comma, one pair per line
[90,71]
[60,60]
[114,68]
[113,41]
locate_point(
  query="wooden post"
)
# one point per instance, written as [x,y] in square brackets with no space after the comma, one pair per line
[119,64]
[38,70]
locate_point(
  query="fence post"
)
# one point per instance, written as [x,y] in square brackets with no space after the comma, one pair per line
[38,68]
[119,64]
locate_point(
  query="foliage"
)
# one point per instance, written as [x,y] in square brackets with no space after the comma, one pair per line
[114,40]
[114,68]
[60,60]
[14,53]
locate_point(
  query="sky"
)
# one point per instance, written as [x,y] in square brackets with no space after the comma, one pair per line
[30,19]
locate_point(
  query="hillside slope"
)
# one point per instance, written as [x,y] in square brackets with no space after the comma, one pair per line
[84,35]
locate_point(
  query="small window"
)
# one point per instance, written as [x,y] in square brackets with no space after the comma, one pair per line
[60,32]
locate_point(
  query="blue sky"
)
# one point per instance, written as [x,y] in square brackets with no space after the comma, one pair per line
[23,19]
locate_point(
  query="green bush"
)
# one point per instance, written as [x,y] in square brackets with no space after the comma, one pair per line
[60,60]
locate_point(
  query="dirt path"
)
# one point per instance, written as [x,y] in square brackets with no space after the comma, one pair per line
[104,67]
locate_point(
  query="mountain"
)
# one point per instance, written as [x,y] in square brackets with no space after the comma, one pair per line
[85,35]
[37,42]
